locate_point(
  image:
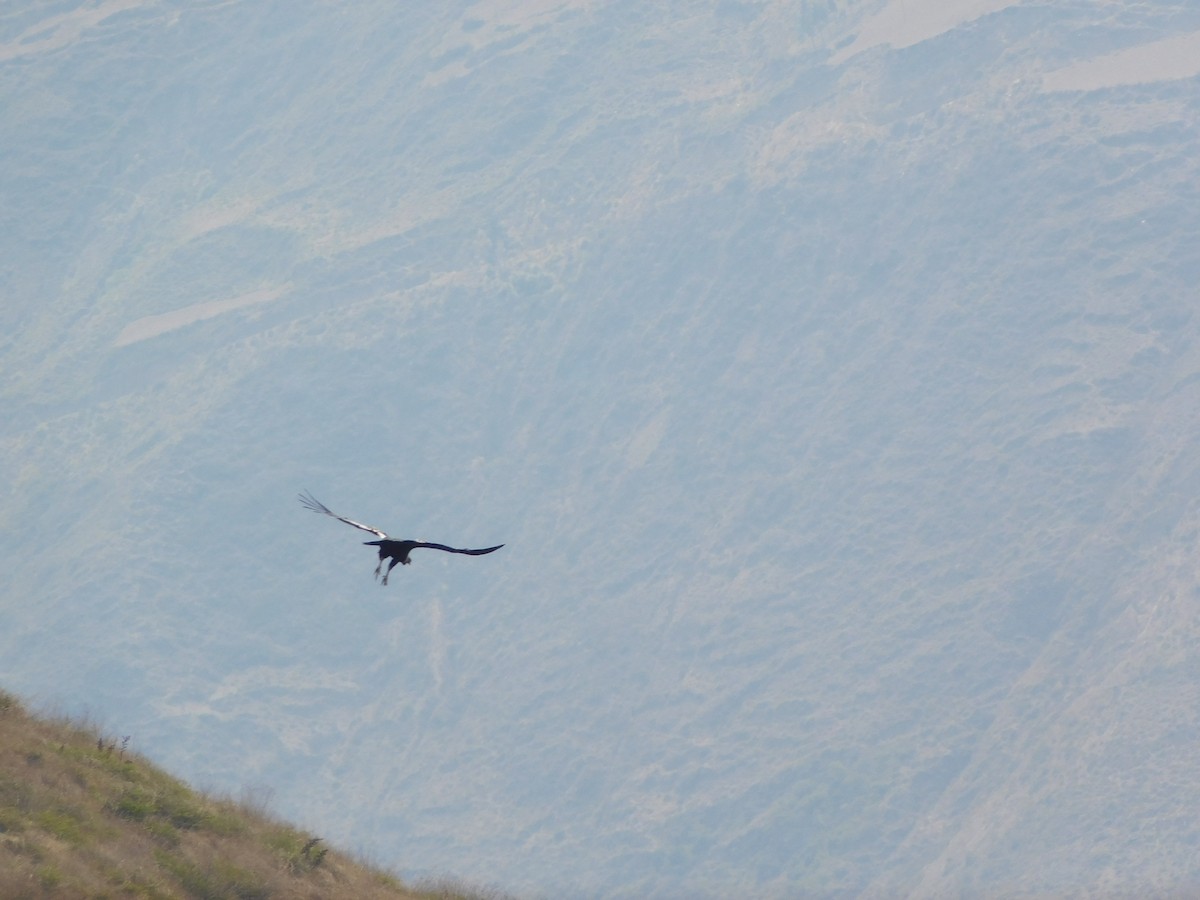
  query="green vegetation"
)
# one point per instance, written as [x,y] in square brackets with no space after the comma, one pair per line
[82,816]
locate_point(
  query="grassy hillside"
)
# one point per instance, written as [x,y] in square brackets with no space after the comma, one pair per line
[83,816]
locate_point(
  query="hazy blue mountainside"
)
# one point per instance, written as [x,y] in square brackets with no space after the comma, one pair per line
[829,369]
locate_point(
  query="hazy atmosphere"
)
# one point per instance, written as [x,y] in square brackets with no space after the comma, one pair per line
[829,369]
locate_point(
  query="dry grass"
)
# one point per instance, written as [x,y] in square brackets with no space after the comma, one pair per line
[81,816]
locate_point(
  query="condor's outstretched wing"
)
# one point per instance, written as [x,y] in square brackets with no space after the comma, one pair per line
[318,507]
[455,549]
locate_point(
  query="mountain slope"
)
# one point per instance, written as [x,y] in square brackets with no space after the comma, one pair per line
[827,370]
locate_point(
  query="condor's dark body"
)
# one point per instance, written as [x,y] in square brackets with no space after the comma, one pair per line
[397,551]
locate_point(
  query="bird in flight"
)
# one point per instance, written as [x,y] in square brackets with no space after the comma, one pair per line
[389,548]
